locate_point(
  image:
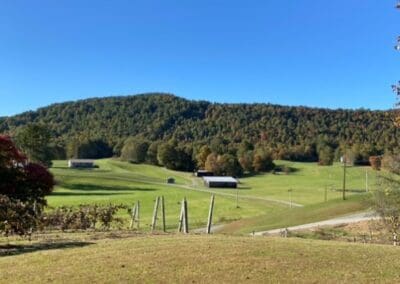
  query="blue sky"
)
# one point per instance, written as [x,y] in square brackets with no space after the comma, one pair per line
[311,52]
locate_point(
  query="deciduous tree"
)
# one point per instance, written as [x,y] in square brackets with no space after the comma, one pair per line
[201,157]
[34,141]
[135,150]
[23,187]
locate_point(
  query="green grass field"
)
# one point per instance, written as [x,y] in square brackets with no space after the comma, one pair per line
[263,199]
[308,182]
[123,183]
[264,203]
[199,259]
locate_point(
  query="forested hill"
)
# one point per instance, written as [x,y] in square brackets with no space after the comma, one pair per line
[164,116]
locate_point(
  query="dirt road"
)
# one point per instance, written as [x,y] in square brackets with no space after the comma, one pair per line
[348,219]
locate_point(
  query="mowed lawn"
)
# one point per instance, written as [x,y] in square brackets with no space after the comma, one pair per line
[124,183]
[308,182]
[203,259]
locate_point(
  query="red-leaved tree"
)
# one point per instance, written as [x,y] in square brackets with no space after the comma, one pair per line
[23,187]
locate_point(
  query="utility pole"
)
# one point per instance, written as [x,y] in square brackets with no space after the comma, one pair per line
[366,180]
[344,173]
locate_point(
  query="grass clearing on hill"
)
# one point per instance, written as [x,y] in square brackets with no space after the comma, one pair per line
[204,259]
[124,183]
[308,182]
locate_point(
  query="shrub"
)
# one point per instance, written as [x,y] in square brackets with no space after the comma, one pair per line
[263,162]
[391,163]
[376,162]
[84,217]
[326,156]
[16,217]
[23,187]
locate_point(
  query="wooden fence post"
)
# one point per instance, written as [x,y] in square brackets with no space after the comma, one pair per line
[163,213]
[138,214]
[155,213]
[133,216]
[210,214]
[185,217]
[181,217]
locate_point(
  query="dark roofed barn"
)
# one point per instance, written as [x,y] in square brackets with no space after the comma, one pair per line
[220,182]
[204,173]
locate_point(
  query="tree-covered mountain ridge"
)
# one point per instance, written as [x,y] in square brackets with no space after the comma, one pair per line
[159,116]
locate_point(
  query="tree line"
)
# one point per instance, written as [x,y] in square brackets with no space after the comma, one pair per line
[98,128]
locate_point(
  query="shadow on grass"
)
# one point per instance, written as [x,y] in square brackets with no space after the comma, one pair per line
[222,189]
[10,250]
[91,187]
[245,188]
[89,170]
[349,190]
[84,193]
[279,170]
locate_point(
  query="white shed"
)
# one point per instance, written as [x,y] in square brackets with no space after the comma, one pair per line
[81,163]
[221,182]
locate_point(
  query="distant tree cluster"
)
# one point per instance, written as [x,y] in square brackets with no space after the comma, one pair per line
[98,128]
[86,148]
[185,157]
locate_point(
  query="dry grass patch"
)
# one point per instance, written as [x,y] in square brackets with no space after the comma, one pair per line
[205,259]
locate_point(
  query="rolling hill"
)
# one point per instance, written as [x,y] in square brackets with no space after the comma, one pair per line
[165,116]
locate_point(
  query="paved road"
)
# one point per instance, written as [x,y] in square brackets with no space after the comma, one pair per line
[348,219]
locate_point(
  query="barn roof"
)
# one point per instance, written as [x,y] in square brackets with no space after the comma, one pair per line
[220,179]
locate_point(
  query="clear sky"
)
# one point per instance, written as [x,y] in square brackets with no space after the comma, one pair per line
[323,53]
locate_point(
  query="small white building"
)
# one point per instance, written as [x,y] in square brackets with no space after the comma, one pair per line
[221,182]
[81,163]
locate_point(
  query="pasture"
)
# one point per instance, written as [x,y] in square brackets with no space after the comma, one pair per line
[263,199]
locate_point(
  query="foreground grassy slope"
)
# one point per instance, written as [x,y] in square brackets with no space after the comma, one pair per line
[192,259]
